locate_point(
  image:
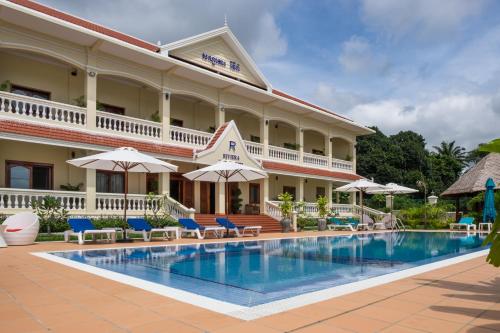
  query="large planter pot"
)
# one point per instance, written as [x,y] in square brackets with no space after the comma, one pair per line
[286,225]
[321,224]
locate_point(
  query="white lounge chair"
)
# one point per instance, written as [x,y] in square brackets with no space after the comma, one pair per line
[238,230]
[21,229]
[140,226]
[81,227]
[191,227]
[465,222]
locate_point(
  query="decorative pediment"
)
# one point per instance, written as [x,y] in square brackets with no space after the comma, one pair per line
[226,144]
[219,51]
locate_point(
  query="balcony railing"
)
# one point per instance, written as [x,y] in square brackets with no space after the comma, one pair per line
[315,160]
[341,164]
[29,108]
[20,199]
[190,137]
[128,125]
[16,200]
[256,149]
[283,154]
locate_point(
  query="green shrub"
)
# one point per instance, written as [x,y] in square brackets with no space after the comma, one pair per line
[429,216]
[306,222]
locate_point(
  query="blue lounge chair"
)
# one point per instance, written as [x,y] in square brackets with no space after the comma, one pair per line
[140,226]
[338,224]
[190,226]
[83,226]
[239,230]
[465,222]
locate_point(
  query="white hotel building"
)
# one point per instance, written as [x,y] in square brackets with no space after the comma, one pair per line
[70,87]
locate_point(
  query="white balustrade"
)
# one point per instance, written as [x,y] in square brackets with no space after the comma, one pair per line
[128,125]
[176,209]
[29,108]
[254,148]
[341,164]
[316,160]
[21,199]
[273,210]
[373,213]
[279,153]
[190,137]
[342,209]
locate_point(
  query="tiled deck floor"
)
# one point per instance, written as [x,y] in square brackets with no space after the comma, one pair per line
[41,296]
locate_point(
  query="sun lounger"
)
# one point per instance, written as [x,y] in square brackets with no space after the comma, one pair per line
[465,222]
[337,224]
[139,226]
[81,227]
[190,226]
[239,230]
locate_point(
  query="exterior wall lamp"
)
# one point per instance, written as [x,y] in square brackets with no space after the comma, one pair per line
[92,74]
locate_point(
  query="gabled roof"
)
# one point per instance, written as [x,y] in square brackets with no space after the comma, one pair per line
[86,24]
[474,180]
[227,35]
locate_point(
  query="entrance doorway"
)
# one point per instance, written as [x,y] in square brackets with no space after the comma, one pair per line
[207,197]
[182,189]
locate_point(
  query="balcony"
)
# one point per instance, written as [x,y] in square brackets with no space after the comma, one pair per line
[23,108]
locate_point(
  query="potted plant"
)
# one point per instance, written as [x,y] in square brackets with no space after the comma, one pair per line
[322,204]
[286,208]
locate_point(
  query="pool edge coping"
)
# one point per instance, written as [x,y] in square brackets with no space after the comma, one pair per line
[257,311]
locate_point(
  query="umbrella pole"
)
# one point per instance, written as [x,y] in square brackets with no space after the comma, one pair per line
[362,209]
[227,205]
[125,202]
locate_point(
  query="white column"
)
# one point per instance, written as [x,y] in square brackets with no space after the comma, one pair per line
[219,115]
[164,109]
[353,149]
[300,142]
[264,136]
[264,194]
[197,196]
[328,150]
[164,183]
[300,189]
[329,193]
[90,190]
[91,97]
[220,198]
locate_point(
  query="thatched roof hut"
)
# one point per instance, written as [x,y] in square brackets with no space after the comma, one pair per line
[474,179]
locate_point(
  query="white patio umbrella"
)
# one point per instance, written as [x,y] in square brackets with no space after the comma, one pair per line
[226,172]
[361,186]
[125,159]
[392,189]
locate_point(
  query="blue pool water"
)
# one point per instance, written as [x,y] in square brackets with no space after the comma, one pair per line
[255,272]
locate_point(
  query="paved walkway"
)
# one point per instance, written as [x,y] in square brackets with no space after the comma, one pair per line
[41,296]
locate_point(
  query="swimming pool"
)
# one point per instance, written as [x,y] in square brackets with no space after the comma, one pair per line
[252,273]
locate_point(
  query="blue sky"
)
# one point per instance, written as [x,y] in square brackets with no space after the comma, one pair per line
[423,65]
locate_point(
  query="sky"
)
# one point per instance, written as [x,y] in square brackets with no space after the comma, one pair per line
[423,65]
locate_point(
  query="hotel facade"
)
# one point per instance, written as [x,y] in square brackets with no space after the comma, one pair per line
[70,88]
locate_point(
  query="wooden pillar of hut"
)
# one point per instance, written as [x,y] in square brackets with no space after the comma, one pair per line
[457,211]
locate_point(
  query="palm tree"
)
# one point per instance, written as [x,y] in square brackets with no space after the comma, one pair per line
[449,149]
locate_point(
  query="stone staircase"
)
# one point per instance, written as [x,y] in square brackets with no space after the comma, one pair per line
[268,223]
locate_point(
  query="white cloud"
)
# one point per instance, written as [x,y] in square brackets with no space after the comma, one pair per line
[468,119]
[337,100]
[429,19]
[269,42]
[253,22]
[357,56]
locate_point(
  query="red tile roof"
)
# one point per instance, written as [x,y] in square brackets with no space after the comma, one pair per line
[86,24]
[216,136]
[93,139]
[298,100]
[308,171]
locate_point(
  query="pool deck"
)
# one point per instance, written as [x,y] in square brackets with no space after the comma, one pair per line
[37,295]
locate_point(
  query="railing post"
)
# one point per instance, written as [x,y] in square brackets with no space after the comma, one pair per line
[191,212]
[294,221]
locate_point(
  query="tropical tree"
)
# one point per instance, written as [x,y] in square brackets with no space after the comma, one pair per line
[449,149]
[494,237]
